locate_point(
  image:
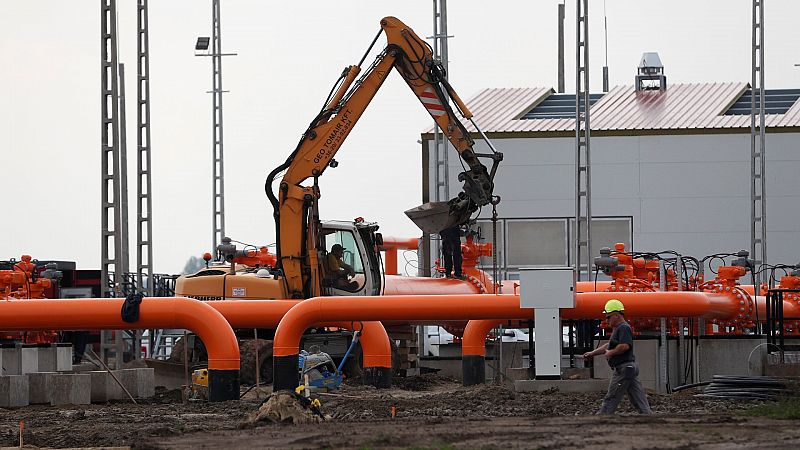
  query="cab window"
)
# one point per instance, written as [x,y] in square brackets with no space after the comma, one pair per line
[352,256]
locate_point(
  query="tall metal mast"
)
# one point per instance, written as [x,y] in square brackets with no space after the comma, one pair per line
[758,196]
[123,187]
[144,205]
[217,143]
[441,174]
[109,181]
[583,179]
[561,16]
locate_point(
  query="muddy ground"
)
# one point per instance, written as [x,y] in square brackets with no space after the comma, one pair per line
[431,412]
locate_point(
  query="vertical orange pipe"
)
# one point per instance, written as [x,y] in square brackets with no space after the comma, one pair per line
[390,262]
[473,350]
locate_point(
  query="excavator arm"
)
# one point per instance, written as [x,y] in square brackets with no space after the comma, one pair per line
[295,206]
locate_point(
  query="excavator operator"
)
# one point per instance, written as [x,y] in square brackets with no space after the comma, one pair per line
[339,271]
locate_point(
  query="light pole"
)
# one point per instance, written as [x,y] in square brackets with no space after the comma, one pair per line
[218,177]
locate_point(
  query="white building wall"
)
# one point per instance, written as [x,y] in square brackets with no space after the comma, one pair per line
[688,193]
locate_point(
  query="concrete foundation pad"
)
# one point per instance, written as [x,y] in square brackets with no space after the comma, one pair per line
[561,385]
[19,360]
[139,382]
[104,388]
[13,391]
[70,389]
[55,358]
[63,357]
[38,391]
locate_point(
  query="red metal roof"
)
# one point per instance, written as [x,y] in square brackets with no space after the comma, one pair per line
[687,106]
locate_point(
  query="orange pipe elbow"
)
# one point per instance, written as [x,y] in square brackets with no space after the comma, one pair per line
[376,350]
[391,245]
[375,346]
[474,340]
[395,243]
[104,314]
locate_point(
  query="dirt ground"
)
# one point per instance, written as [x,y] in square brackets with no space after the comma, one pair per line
[431,412]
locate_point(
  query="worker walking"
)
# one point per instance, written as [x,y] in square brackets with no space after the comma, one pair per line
[624,370]
[451,251]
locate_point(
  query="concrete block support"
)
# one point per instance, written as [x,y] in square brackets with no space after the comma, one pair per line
[732,355]
[38,391]
[70,389]
[20,359]
[139,382]
[104,388]
[63,357]
[13,391]
[55,358]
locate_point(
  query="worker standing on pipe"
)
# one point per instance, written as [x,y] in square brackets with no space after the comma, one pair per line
[451,251]
[624,370]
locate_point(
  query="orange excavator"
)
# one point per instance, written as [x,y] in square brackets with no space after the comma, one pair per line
[304,243]
[343,258]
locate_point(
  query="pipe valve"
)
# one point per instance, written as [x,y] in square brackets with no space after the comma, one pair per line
[51,273]
[742,260]
[226,250]
[606,262]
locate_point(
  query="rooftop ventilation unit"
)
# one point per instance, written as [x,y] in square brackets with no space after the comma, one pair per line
[651,74]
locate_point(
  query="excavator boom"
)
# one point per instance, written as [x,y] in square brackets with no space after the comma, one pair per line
[295,205]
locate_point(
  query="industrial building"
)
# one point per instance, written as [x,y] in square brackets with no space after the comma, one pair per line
[670,170]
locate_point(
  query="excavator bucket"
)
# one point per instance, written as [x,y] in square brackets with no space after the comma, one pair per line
[434,217]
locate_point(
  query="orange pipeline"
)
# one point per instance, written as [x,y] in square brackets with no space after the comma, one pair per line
[104,314]
[375,346]
[437,308]
[442,308]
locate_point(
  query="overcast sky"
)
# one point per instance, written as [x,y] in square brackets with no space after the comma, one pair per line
[290,53]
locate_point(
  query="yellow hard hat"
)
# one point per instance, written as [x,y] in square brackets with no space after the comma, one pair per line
[614,305]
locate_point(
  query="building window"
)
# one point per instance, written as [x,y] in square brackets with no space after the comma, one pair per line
[547,242]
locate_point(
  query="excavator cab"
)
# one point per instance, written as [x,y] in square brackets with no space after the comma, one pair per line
[356,269]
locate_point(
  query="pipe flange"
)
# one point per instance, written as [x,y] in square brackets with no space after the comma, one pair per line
[477,283]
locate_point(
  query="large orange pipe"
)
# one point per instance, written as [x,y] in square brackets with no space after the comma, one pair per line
[104,314]
[398,285]
[375,345]
[437,308]
[790,310]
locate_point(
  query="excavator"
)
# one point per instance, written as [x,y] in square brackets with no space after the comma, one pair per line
[299,269]
[303,241]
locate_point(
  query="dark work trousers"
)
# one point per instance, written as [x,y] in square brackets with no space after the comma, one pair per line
[625,379]
[451,251]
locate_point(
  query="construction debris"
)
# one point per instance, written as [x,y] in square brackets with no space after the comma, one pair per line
[286,407]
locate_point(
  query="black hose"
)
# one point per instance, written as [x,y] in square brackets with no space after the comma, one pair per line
[739,387]
[689,386]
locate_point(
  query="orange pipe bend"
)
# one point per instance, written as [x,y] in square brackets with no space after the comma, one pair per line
[436,308]
[104,314]
[474,339]
[375,345]
[376,350]
[397,243]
